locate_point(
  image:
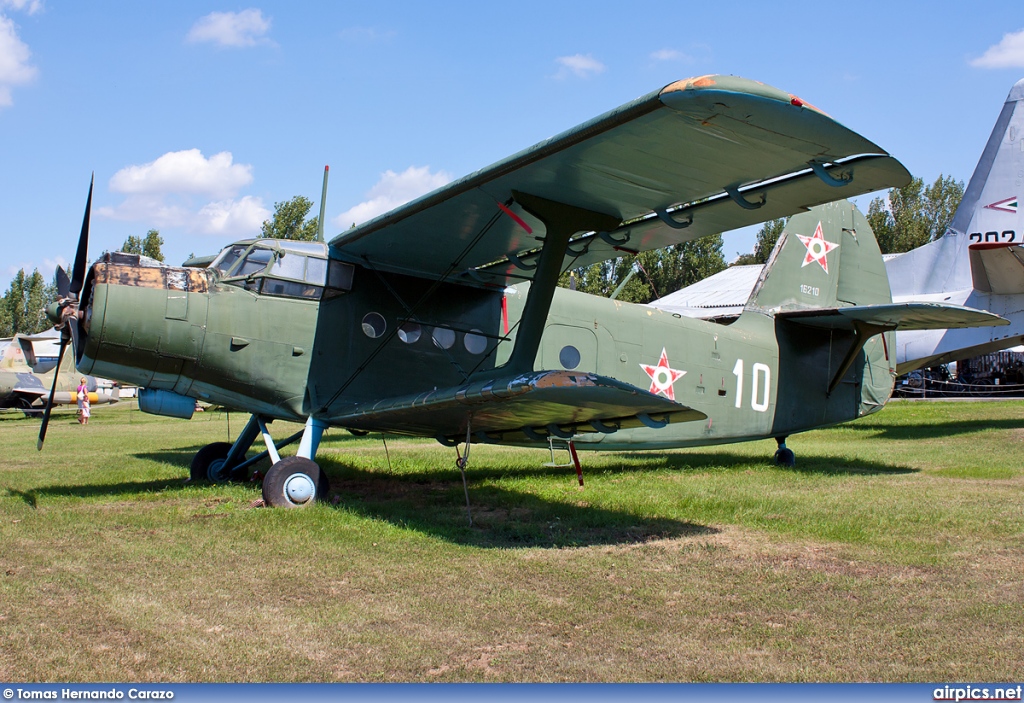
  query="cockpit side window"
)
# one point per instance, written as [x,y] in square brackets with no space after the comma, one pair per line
[288,265]
[316,271]
[339,278]
[290,289]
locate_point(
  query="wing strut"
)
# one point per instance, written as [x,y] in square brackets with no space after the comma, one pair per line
[561,221]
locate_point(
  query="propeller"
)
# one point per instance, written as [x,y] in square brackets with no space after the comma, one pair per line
[64,313]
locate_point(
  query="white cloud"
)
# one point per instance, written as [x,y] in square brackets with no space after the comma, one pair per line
[29,6]
[669,55]
[235,29]
[184,172]
[1008,53]
[393,189]
[185,189]
[47,268]
[232,217]
[14,66]
[579,65]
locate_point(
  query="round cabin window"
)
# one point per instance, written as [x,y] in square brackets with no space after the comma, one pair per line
[443,337]
[410,332]
[374,325]
[569,357]
[475,342]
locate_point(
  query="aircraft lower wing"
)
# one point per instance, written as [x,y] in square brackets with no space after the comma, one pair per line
[529,406]
[895,316]
[701,156]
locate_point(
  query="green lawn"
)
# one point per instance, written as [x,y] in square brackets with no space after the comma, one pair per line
[894,551]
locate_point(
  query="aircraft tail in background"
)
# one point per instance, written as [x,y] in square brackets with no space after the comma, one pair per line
[979,262]
[990,218]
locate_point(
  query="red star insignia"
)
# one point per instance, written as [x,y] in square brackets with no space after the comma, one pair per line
[663,376]
[817,248]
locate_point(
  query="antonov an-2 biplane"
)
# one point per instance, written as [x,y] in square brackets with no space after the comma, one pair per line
[441,318]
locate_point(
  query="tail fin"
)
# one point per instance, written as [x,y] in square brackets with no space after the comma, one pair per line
[825,258]
[989,213]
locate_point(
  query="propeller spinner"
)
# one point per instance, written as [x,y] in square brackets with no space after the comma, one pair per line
[64,313]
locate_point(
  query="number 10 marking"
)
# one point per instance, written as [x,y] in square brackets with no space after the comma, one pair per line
[760,405]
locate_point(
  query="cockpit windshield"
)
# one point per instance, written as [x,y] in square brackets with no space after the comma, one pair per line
[227,258]
[283,268]
[255,261]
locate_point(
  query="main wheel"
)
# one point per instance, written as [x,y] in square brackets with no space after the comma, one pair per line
[294,482]
[209,463]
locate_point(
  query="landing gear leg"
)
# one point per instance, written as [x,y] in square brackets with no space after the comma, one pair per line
[783,455]
[296,481]
[216,462]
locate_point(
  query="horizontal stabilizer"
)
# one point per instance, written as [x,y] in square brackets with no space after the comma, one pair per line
[997,267]
[895,316]
[533,406]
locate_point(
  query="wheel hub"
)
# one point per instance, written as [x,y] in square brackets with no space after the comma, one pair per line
[216,471]
[299,488]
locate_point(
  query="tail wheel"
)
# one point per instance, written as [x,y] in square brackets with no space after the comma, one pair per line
[209,463]
[785,457]
[295,482]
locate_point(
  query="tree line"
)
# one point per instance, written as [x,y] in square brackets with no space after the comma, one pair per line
[904,219]
[23,306]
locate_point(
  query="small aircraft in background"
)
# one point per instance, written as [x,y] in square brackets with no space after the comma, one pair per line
[978,262]
[442,318]
[25,390]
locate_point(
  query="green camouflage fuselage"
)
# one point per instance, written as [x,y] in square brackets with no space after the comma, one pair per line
[192,333]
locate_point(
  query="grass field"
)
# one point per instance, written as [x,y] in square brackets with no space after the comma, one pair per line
[894,551]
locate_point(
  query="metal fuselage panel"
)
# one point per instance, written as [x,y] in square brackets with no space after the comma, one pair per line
[732,373]
[434,335]
[172,329]
[287,358]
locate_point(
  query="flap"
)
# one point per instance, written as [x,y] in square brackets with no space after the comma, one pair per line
[895,316]
[744,151]
[997,267]
[534,405]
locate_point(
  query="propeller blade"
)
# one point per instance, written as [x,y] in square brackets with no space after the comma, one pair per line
[82,256]
[53,390]
[72,326]
[63,283]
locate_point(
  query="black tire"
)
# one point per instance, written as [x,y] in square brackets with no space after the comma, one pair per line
[209,463]
[295,482]
[785,457]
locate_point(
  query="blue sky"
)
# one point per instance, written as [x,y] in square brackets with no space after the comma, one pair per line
[198,116]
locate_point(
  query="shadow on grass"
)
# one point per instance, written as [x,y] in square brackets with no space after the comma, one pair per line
[432,500]
[435,504]
[934,430]
[95,490]
[501,518]
[810,464]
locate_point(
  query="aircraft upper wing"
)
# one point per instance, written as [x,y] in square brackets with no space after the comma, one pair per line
[896,316]
[701,156]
